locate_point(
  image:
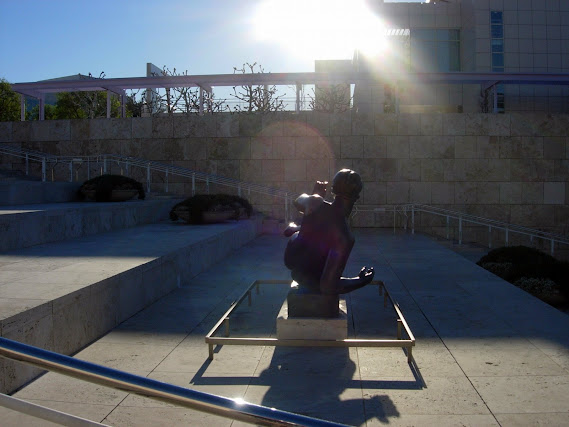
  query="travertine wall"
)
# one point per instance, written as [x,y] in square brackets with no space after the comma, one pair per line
[510,167]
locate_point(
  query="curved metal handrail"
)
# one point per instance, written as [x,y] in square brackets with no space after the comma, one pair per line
[490,223]
[149,166]
[205,402]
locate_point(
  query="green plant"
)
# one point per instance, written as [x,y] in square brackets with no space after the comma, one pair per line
[196,205]
[105,184]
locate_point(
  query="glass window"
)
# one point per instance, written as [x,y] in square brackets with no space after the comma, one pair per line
[423,34]
[435,50]
[497,60]
[443,35]
[454,56]
[497,45]
[496,17]
[454,35]
[497,31]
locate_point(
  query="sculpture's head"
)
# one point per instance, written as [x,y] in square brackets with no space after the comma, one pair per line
[347,184]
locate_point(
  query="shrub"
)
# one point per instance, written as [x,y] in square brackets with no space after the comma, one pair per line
[537,286]
[518,264]
[196,205]
[105,184]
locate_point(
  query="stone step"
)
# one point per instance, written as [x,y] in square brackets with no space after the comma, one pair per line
[29,225]
[20,192]
[15,175]
[62,296]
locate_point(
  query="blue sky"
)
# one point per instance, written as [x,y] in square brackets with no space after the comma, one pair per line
[41,39]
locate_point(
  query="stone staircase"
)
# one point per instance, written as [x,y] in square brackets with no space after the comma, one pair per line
[70,271]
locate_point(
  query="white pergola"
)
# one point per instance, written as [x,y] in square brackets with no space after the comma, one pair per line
[207,82]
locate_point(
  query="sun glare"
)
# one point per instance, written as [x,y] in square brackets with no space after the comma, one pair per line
[320,29]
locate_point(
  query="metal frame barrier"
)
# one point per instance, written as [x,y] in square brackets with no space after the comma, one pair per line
[193,399]
[407,344]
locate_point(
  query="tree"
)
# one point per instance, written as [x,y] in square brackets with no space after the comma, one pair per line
[178,99]
[252,98]
[9,103]
[134,104]
[331,98]
[82,105]
[34,113]
[85,105]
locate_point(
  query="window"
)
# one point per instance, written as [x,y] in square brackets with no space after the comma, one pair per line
[435,50]
[497,46]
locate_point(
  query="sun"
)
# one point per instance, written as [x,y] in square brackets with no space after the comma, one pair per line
[320,29]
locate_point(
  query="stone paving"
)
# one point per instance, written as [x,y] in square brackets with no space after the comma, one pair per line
[487,353]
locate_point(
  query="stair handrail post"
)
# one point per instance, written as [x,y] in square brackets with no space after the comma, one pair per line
[460,230]
[27,165]
[148,177]
[71,171]
[412,219]
[193,184]
[105,164]
[166,187]
[43,169]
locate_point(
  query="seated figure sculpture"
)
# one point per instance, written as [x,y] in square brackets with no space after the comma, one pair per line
[320,246]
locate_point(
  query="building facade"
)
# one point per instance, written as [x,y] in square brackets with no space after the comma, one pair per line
[529,37]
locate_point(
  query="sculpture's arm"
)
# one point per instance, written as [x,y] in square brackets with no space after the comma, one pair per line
[364,277]
[308,203]
[331,281]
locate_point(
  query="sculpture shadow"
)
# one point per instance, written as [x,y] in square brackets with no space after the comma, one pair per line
[318,382]
[322,383]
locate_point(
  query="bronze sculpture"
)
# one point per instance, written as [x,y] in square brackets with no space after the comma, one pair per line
[319,248]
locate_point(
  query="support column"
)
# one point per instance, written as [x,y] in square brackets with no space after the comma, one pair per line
[108,104]
[42,107]
[22,107]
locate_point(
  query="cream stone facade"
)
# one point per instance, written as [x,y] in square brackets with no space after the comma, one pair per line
[509,167]
[479,36]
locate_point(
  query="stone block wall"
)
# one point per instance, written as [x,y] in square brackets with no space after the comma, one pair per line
[508,167]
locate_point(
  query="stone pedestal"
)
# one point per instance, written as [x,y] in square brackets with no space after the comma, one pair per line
[311,305]
[312,328]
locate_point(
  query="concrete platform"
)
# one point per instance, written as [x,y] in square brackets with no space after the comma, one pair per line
[24,226]
[62,296]
[487,353]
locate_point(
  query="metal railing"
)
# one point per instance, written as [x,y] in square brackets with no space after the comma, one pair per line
[229,408]
[105,162]
[463,218]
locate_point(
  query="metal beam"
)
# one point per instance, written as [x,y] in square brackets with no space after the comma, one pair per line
[206,87]
[207,81]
